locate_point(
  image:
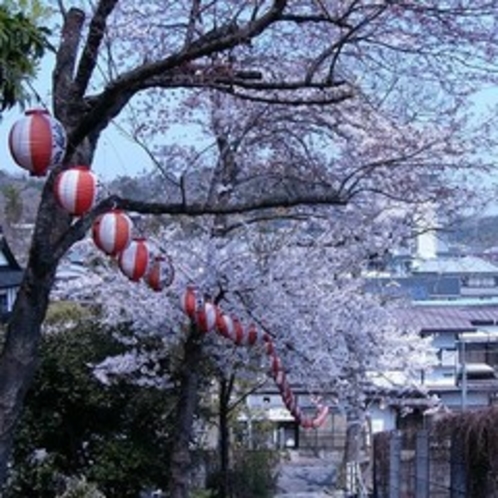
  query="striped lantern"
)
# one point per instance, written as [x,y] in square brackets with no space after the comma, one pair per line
[160,273]
[112,232]
[224,325]
[37,142]
[134,259]
[206,317]
[192,301]
[252,335]
[238,331]
[76,190]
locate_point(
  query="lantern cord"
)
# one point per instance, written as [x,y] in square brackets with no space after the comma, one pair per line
[38,97]
[208,317]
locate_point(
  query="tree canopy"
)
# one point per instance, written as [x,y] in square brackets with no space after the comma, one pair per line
[22,45]
[310,129]
[118,436]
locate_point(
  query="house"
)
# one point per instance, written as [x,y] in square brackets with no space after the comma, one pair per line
[11,275]
[266,422]
[465,337]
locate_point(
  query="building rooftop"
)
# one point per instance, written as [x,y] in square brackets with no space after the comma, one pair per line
[432,319]
[456,265]
[11,272]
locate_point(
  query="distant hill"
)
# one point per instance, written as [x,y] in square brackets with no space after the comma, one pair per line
[19,199]
[20,196]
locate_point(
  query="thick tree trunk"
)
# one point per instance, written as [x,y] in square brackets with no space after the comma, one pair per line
[226,386]
[189,383]
[19,358]
[351,465]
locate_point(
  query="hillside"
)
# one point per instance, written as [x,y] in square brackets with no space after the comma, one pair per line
[20,195]
[19,198]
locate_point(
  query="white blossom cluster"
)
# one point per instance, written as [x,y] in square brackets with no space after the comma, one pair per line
[306,292]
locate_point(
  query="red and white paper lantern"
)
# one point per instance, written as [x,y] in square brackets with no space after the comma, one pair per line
[206,317]
[134,260]
[224,325]
[76,189]
[112,232]
[192,301]
[160,273]
[37,142]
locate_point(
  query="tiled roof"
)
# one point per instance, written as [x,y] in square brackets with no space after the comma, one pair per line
[10,278]
[5,249]
[449,318]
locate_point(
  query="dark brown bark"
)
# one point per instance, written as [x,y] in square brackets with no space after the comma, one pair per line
[189,383]
[19,358]
[226,386]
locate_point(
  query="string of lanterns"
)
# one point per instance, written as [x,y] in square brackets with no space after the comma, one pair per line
[209,317]
[38,142]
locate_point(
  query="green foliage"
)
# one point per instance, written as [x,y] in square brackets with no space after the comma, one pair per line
[203,493]
[65,311]
[13,204]
[254,474]
[22,45]
[80,488]
[118,436]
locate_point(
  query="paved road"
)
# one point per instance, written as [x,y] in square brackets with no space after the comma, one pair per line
[306,478]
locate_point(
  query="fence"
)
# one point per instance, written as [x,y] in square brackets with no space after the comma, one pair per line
[432,463]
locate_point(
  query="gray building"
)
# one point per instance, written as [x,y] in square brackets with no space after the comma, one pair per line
[11,275]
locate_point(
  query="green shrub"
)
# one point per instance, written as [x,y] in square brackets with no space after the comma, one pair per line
[254,475]
[81,488]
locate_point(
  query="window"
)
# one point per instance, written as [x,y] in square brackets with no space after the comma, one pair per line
[479,281]
[3,303]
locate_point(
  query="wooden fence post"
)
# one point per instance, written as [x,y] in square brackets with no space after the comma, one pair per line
[458,471]
[395,464]
[422,464]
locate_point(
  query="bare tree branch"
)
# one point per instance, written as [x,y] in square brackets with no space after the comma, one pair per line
[66,57]
[88,59]
[116,95]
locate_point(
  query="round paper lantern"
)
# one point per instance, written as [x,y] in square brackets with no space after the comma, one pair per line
[252,335]
[160,273]
[206,317]
[192,301]
[112,232]
[76,189]
[225,326]
[238,331]
[134,259]
[37,141]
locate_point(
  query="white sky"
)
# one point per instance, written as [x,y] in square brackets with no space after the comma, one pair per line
[116,155]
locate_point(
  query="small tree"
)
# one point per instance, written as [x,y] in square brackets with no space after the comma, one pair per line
[116,435]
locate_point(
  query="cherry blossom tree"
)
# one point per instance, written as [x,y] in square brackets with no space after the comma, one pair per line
[369,105]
